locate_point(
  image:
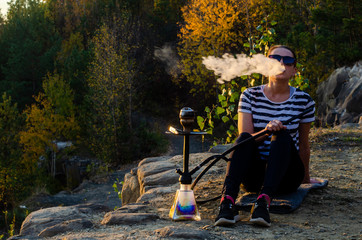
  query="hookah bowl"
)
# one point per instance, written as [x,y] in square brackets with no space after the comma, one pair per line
[184,205]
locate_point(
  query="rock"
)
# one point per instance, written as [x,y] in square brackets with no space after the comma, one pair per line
[136,208]
[66,226]
[118,218]
[130,189]
[90,208]
[156,173]
[44,200]
[340,96]
[38,221]
[157,194]
[157,177]
[154,168]
[165,178]
[153,159]
[181,232]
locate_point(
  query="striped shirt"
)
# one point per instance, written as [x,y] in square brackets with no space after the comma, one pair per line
[263,110]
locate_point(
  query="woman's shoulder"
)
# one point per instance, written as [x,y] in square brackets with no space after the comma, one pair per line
[302,94]
[256,89]
[253,92]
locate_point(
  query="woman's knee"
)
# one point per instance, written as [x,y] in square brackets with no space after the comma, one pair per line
[282,135]
[243,136]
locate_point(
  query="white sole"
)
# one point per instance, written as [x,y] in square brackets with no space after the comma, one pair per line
[227,222]
[260,222]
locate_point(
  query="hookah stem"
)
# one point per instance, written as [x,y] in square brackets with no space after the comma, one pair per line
[186,153]
[222,156]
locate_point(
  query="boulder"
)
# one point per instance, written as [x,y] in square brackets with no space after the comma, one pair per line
[158,180]
[154,168]
[340,96]
[157,193]
[155,173]
[165,178]
[51,221]
[130,189]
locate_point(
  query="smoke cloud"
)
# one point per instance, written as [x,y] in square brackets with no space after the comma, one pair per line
[167,54]
[229,67]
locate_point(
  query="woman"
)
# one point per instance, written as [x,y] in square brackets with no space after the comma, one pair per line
[277,162]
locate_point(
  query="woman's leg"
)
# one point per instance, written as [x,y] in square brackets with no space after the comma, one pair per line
[246,167]
[285,170]
[284,173]
[241,166]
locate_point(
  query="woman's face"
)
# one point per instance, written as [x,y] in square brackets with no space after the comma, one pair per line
[290,71]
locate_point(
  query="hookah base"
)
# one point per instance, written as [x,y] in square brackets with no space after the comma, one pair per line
[184,206]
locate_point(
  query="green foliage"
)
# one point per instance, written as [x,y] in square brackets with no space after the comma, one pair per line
[11,169]
[72,61]
[50,119]
[299,81]
[323,33]
[117,187]
[12,220]
[224,113]
[110,94]
[13,179]
[29,44]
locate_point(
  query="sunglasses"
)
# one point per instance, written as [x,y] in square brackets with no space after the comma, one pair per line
[288,61]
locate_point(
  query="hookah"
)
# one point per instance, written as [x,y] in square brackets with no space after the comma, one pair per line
[184,206]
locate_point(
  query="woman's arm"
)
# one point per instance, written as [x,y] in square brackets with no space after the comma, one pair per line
[245,123]
[304,149]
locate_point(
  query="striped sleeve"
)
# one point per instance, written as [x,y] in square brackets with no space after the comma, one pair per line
[309,104]
[245,103]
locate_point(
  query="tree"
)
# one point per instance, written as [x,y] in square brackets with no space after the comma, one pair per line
[29,44]
[324,34]
[110,84]
[72,61]
[212,28]
[50,119]
[13,186]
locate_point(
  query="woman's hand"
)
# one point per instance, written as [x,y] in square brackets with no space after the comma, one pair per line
[275,126]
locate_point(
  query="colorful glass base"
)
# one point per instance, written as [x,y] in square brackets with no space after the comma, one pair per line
[184,206]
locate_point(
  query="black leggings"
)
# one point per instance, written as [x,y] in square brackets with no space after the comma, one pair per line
[282,173]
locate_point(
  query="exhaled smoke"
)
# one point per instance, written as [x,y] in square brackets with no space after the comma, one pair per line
[168,55]
[229,67]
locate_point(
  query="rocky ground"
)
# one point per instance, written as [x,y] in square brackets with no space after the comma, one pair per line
[330,213]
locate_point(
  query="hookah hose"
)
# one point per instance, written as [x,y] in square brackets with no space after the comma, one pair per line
[223,155]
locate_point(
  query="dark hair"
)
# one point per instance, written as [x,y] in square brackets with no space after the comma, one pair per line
[282,46]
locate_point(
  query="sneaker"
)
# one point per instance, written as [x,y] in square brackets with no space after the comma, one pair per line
[228,215]
[260,212]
